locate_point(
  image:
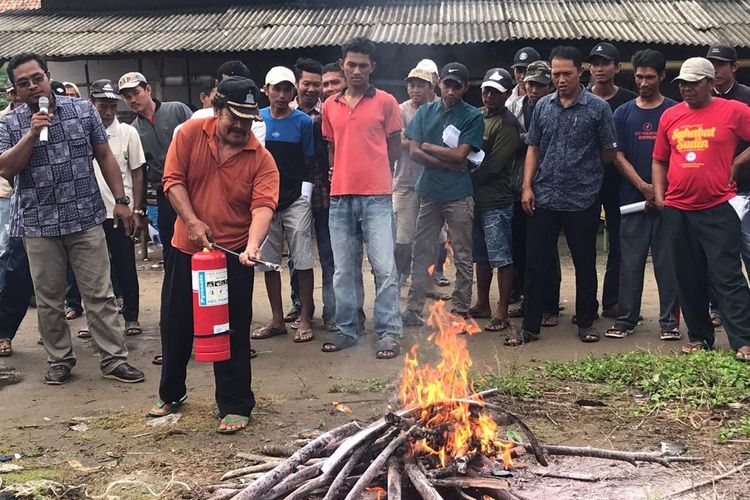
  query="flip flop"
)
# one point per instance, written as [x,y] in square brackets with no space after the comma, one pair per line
[266,332]
[72,314]
[158,409]
[442,281]
[520,338]
[615,332]
[588,335]
[692,347]
[6,349]
[388,348]
[743,355]
[292,316]
[497,325]
[550,320]
[303,335]
[133,328]
[233,420]
[83,333]
[157,360]
[339,343]
[673,334]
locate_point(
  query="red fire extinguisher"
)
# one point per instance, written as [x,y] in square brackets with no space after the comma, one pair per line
[210,307]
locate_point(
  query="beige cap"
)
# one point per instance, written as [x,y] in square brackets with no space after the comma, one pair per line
[421,74]
[696,69]
[279,74]
[130,81]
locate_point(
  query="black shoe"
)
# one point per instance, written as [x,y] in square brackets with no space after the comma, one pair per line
[57,375]
[126,373]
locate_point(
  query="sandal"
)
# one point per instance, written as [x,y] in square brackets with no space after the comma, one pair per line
[162,409]
[72,314]
[239,420]
[266,332]
[6,349]
[588,335]
[442,281]
[743,354]
[716,321]
[133,328]
[550,320]
[83,333]
[615,332]
[157,360]
[520,338]
[673,334]
[388,348]
[294,325]
[340,343]
[292,315]
[516,312]
[497,325]
[691,347]
[479,314]
[303,335]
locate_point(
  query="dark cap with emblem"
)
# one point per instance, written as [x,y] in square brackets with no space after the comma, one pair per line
[104,89]
[524,57]
[455,71]
[498,79]
[57,87]
[605,51]
[539,72]
[240,95]
[722,52]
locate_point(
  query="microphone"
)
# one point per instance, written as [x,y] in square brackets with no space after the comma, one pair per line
[44,106]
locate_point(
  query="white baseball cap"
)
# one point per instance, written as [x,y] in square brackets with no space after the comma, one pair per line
[279,74]
[428,65]
[696,69]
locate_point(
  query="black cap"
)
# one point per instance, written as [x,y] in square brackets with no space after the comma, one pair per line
[498,79]
[525,56]
[57,87]
[455,71]
[104,89]
[605,51]
[721,52]
[240,94]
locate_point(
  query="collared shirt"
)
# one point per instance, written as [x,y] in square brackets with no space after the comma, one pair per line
[223,194]
[360,135]
[126,147]
[156,136]
[321,195]
[437,183]
[515,96]
[56,193]
[570,140]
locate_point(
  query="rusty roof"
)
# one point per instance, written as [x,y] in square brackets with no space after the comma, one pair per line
[61,34]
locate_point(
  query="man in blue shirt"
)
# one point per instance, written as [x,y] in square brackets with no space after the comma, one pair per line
[444,188]
[289,138]
[570,135]
[58,210]
[636,123]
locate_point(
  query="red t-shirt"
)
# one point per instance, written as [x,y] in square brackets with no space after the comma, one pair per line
[699,145]
[359,135]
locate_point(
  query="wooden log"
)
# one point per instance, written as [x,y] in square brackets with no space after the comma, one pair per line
[624,456]
[564,475]
[376,465]
[487,483]
[301,477]
[276,450]
[338,486]
[420,481]
[223,494]
[258,489]
[394,479]
[242,471]
[261,459]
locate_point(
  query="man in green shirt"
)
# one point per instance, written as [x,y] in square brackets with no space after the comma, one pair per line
[493,199]
[443,134]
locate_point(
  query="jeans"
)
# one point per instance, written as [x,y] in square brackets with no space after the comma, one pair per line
[705,255]
[373,216]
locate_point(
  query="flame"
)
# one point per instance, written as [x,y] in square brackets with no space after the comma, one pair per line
[458,430]
[377,490]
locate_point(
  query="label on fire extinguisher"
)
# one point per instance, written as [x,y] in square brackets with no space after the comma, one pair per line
[212,287]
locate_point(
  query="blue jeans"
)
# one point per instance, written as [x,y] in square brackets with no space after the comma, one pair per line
[348,215]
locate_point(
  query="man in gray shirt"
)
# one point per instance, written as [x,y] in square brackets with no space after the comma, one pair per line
[155,123]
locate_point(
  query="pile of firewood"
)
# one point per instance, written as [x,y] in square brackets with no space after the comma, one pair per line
[351,463]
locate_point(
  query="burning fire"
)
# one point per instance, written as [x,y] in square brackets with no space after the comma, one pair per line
[461,432]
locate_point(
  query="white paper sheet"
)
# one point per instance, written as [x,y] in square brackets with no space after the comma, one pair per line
[450,136]
[740,205]
[307,189]
[476,157]
[633,208]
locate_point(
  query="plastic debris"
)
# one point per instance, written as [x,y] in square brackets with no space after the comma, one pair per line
[165,420]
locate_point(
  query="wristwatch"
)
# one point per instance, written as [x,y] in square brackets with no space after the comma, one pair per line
[123,200]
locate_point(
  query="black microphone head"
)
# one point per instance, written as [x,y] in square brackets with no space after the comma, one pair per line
[44,102]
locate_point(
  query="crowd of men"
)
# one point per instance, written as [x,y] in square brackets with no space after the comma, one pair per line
[334,159]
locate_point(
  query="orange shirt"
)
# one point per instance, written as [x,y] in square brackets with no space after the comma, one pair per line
[359,134]
[223,195]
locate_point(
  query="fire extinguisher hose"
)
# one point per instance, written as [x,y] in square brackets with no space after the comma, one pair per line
[270,265]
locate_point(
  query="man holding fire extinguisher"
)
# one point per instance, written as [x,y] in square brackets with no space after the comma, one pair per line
[221,182]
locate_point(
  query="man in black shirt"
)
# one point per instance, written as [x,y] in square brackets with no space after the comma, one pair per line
[604,61]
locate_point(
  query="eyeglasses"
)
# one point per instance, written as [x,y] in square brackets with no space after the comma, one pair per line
[24,84]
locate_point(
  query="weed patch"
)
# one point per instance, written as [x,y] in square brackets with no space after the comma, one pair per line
[518,384]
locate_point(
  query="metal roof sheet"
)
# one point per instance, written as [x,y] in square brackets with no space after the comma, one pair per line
[411,22]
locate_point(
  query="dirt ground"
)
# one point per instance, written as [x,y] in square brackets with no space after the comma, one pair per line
[295,385]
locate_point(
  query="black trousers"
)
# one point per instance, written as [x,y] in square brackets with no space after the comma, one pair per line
[704,248]
[17,289]
[610,198]
[232,377]
[167,218]
[543,229]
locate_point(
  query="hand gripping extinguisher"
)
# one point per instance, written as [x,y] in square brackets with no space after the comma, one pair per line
[210,306]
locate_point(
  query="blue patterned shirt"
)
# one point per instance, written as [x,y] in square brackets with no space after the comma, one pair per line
[570,141]
[56,194]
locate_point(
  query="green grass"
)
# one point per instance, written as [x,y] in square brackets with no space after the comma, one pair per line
[515,383]
[703,380]
[735,429]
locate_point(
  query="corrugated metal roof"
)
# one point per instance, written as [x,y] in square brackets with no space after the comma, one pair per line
[412,22]
[20,5]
